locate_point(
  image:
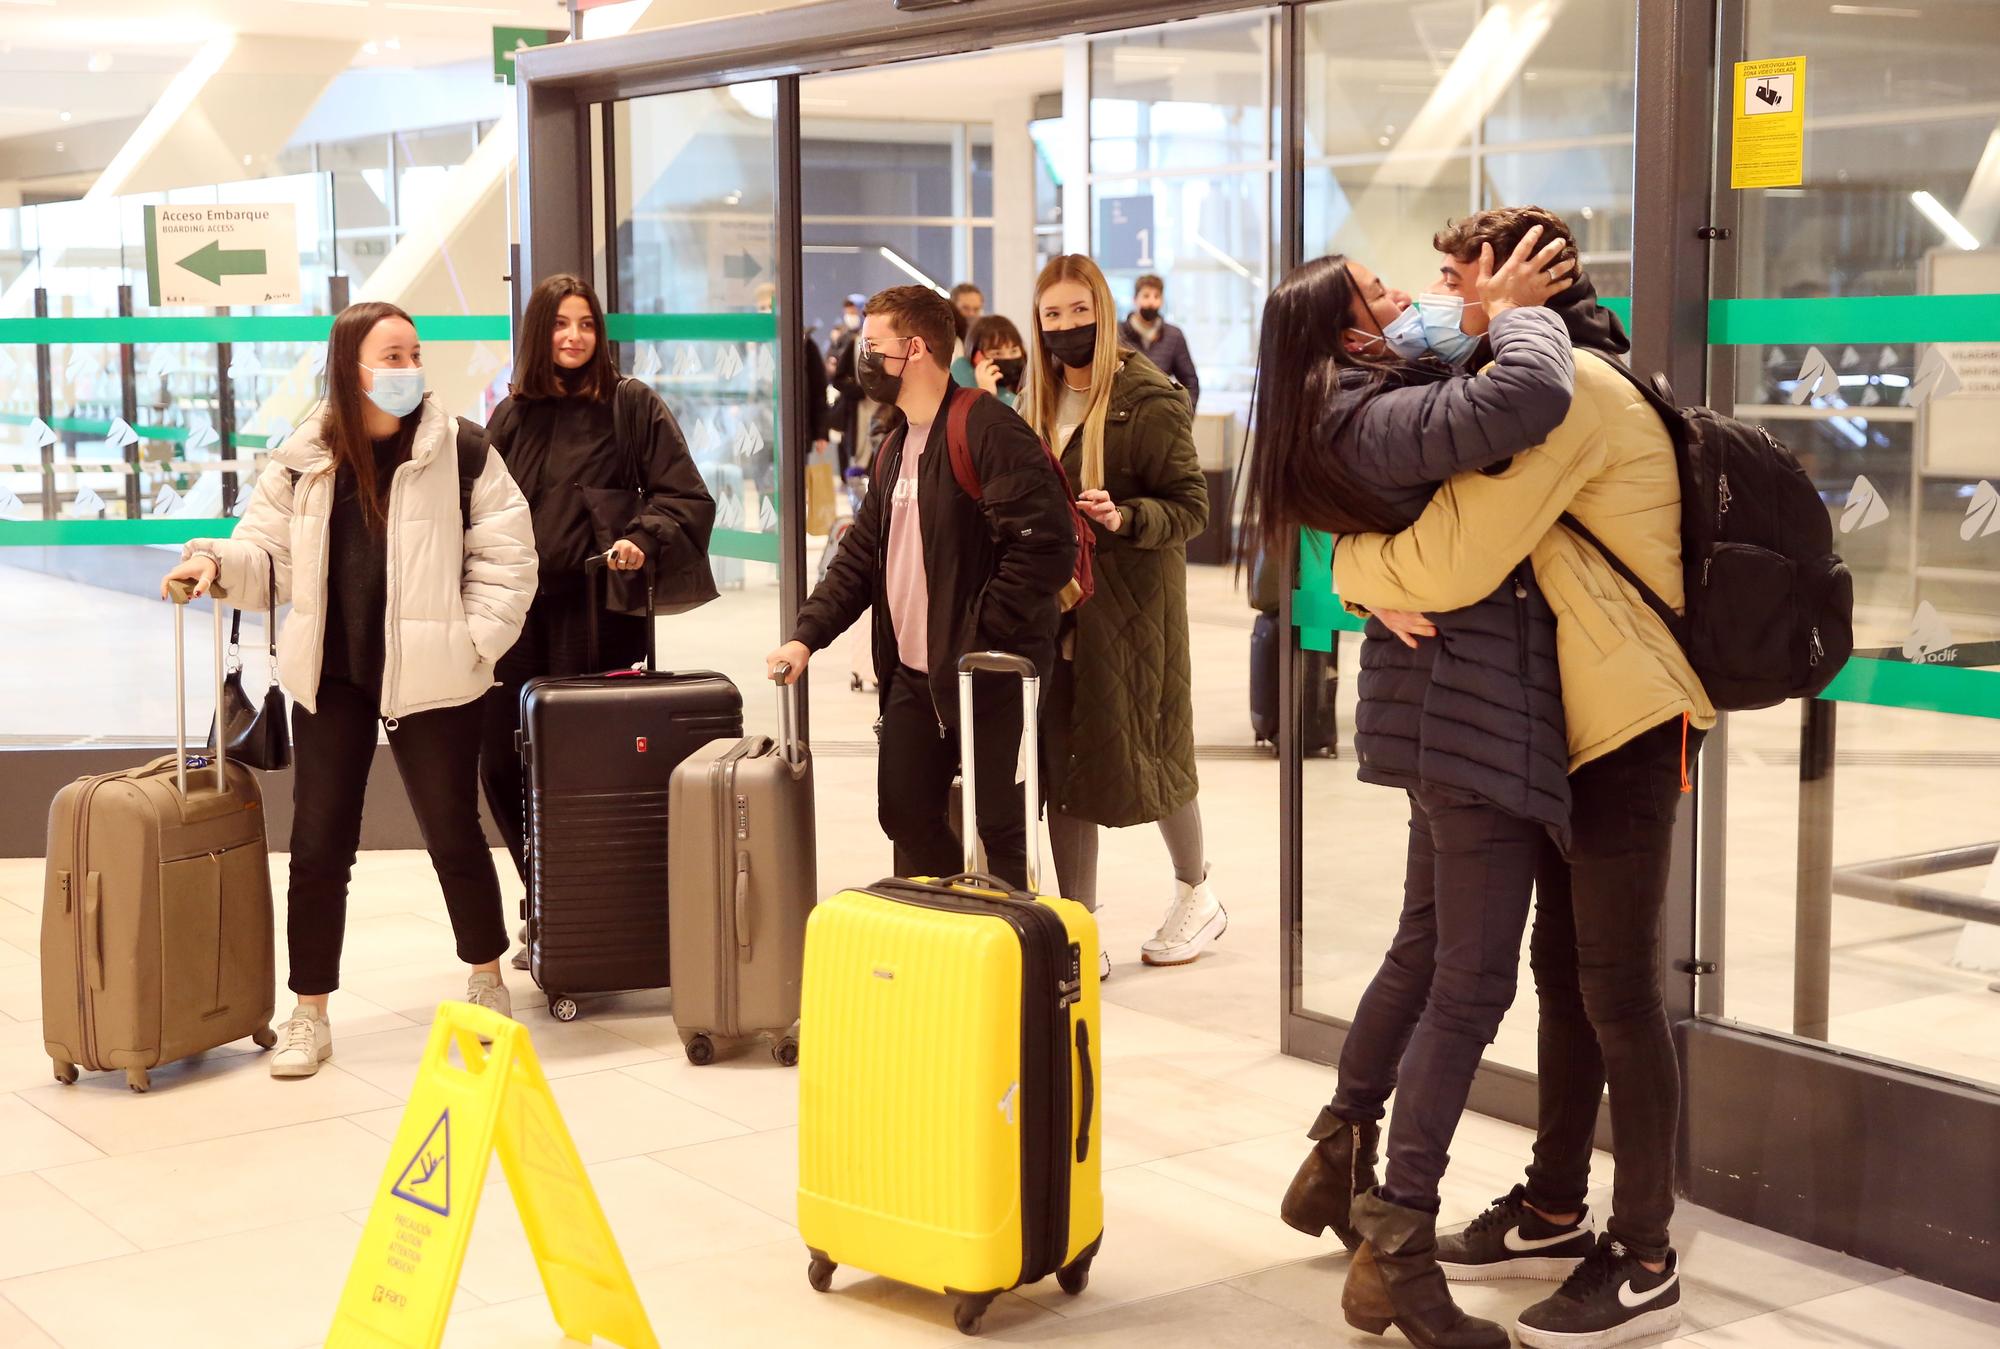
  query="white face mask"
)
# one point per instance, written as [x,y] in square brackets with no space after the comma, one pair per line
[396,392]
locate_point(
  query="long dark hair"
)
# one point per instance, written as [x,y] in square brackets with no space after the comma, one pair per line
[1296,475]
[534,355]
[344,427]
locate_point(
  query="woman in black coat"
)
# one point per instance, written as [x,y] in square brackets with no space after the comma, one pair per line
[586,447]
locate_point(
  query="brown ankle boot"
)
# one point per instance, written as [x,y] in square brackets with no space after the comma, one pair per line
[1340,1166]
[1395,1280]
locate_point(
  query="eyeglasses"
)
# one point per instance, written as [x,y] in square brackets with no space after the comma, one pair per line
[869,347]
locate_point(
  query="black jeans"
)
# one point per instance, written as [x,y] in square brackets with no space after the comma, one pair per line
[437,755]
[1596,957]
[554,641]
[918,759]
[1448,979]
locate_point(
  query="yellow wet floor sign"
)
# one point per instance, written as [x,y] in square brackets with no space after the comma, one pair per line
[493,1098]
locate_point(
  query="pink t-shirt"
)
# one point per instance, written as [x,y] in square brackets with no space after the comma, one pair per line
[905,582]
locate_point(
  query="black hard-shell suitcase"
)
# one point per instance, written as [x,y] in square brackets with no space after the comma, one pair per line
[1322,683]
[598,754]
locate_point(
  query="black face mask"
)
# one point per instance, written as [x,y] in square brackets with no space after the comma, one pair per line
[1011,370]
[1149,313]
[1074,347]
[871,371]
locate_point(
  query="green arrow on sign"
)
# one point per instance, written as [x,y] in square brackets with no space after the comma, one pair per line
[212,262]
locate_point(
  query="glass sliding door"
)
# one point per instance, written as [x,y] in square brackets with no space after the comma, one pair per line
[1852,905]
[1416,114]
[694,248]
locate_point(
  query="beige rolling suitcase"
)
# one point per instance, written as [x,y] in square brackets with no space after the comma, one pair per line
[741,882]
[156,914]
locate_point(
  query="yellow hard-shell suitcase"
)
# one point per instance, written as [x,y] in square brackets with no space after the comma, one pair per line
[949,1075]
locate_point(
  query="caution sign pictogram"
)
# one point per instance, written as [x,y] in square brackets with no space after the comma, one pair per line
[471,1101]
[426,1179]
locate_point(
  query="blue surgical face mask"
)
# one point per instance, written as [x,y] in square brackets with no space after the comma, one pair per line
[396,392]
[1404,334]
[1443,316]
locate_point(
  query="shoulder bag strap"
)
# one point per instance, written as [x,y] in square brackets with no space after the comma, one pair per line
[1674,621]
[958,442]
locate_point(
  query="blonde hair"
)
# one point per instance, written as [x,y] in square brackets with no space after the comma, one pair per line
[1044,397]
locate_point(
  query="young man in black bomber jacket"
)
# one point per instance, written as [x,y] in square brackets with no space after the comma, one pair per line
[945,575]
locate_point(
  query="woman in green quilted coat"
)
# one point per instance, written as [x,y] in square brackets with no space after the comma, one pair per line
[1120,713]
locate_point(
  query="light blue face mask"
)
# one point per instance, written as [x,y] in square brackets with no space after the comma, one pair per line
[396,392]
[1404,334]
[1442,316]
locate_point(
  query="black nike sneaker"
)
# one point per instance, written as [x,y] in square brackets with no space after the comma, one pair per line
[1610,1299]
[1512,1241]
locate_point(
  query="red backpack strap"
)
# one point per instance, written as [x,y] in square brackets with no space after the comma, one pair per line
[959,444]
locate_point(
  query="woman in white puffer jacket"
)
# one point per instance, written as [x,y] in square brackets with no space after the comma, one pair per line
[405,551]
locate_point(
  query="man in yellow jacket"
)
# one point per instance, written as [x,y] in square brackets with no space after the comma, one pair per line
[1635,713]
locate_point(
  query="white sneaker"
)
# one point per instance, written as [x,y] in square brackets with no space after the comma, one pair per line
[489,991]
[304,1043]
[1103,964]
[1194,922]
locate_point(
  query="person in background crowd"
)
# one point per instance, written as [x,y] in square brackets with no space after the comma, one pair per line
[1148,332]
[1121,708]
[1636,714]
[1359,417]
[848,397]
[581,442]
[968,304]
[944,574]
[995,359]
[819,414]
[405,637]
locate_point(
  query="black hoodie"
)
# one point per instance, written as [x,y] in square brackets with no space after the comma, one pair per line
[1591,326]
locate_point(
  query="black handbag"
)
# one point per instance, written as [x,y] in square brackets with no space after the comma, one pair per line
[258,736]
[676,587]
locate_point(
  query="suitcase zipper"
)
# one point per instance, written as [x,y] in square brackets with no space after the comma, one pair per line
[1046,1142]
[79,880]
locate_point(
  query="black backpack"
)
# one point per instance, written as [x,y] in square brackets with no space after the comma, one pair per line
[1770,605]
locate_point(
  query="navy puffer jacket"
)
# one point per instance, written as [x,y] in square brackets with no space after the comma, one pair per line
[1479,708]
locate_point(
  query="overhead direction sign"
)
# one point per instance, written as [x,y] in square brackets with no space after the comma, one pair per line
[222,254]
[507,41]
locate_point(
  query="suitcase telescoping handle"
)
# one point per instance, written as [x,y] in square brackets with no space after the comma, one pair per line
[999,662]
[593,564]
[788,714]
[182,592]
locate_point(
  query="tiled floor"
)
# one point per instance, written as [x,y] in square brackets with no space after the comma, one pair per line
[223,1207]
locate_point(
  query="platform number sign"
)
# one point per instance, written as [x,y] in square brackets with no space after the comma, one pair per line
[1125,234]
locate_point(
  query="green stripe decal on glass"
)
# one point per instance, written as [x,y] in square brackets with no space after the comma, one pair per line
[733,543]
[1919,688]
[1858,318]
[692,327]
[108,533]
[208,328]
[1619,305]
[1316,611]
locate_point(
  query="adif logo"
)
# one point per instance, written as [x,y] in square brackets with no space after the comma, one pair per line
[688,363]
[1930,640]
[649,362]
[730,364]
[1935,378]
[1982,517]
[1865,507]
[1816,378]
[121,434]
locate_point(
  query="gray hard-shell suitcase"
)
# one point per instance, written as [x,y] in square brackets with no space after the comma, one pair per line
[743,876]
[156,912]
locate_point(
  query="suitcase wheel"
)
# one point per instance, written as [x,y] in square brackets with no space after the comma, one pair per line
[820,1274]
[138,1079]
[65,1072]
[1073,1279]
[701,1051]
[971,1310]
[265,1038]
[786,1051]
[562,1008]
